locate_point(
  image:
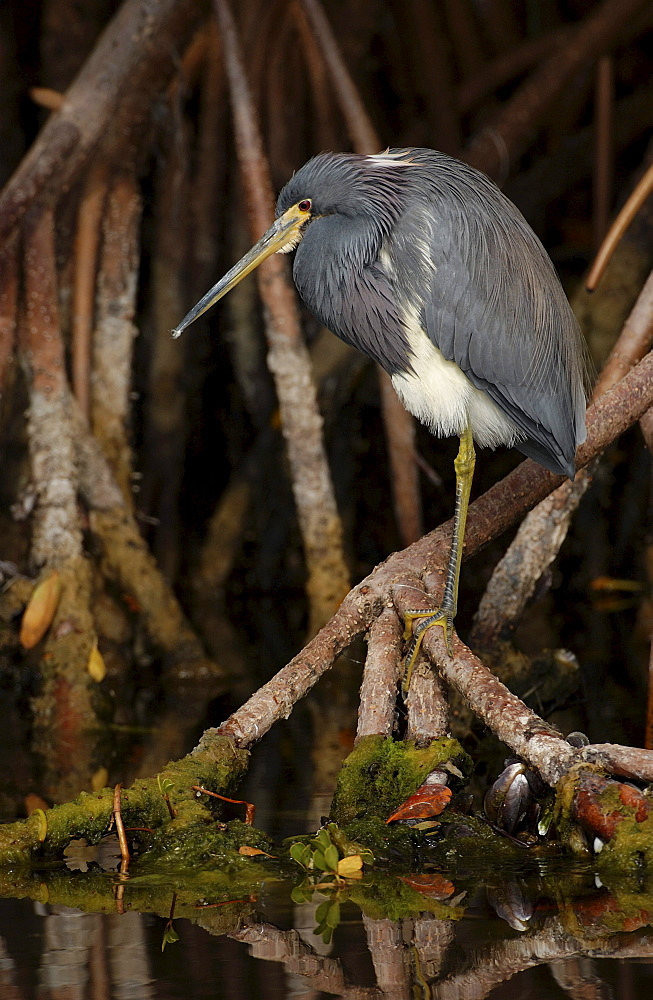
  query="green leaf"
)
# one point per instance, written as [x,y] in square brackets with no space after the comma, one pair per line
[332,857]
[327,935]
[322,910]
[333,915]
[301,853]
[318,860]
[169,936]
[322,840]
[165,785]
[301,894]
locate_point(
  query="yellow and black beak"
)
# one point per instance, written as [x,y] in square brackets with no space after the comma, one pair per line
[284,233]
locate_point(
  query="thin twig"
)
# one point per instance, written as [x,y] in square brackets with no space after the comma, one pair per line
[250,808]
[619,227]
[120,826]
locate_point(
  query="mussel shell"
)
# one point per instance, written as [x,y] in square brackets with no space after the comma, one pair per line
[507,801]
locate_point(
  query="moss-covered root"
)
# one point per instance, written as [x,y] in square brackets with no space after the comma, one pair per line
[380,774]
[45,834]
[618,814]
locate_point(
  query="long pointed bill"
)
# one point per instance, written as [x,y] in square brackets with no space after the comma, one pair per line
[284,233]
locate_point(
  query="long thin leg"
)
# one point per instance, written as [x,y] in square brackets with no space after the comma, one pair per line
[444,615]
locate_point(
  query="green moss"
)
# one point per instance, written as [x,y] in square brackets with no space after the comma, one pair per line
[379,774]
[218,767]
[387,897]
[190,844]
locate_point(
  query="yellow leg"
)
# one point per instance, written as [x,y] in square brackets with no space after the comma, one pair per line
[445,614]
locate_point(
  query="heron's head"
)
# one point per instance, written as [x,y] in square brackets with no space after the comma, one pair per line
[342,184]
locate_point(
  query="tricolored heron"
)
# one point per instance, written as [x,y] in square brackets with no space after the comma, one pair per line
[424,265]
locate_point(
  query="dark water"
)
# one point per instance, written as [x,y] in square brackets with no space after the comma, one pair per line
[55,951]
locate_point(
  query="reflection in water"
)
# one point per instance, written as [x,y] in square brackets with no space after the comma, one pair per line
[509,929]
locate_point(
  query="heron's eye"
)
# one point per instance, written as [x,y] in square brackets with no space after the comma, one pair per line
[305,206]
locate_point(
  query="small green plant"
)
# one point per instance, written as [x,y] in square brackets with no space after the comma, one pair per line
[332,862]
[165,787]
[330,851]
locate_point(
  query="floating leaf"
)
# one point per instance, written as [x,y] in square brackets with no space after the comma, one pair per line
[251,852]
[96,666]
[42,821]
[433,885]
[40,610]
[429,800]
[350,867]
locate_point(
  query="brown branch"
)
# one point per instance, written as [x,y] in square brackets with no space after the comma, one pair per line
[489,516]
[603,146]
[378,695]
[428,707]
[510,64]
[114,327]
[8,307]
[111,96]
[503,142]
[397,422]
[63,707]
[87,243]
[120,826]
[529,555]
[619,227]
[288,359]
[433,75]
[634,341]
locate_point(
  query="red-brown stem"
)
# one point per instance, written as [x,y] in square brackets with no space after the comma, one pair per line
[250,808]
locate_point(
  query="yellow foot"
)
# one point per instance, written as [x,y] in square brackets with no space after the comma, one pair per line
[415,633]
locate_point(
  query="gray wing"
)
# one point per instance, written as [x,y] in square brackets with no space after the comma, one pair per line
[491,302]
